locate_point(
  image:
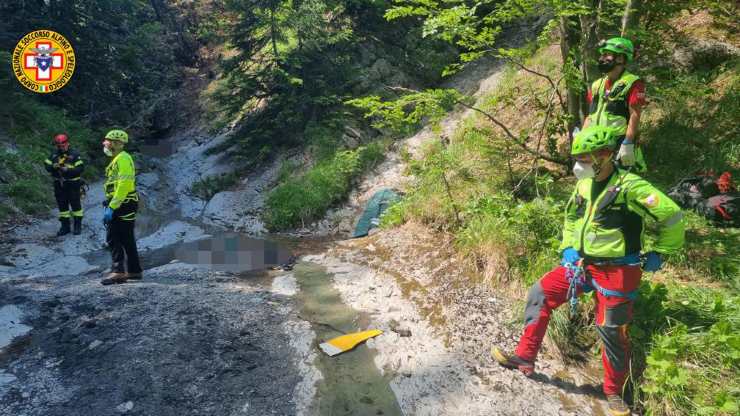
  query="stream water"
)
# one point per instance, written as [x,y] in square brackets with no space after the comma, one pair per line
[352,384]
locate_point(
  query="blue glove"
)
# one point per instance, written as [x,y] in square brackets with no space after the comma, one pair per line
[107,215]
[653,262]
[570,256]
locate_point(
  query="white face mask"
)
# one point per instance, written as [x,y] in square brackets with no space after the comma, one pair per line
[107,151]
[583,170]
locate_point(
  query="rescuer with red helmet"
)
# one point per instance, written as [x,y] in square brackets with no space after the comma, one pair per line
[65,166]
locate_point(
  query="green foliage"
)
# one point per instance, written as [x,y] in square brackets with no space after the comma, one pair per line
[27,126]
[405,114]
[685,345]
[710,253]
[393,216]
[297,63]
[129,55]
[687,340]
[530,231]
[324,138]
[279,47]
[474,27]
[287,169]
[698,129]
[23,189]
[305,198]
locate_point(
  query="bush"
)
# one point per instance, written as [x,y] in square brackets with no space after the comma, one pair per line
[306,198]
[690,343]
[694,126]
[529,231]
[25,186]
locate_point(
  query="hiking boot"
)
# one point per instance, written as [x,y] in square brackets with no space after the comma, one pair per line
[77,229]
[512,361]
[617,406]
[134,276]
[64,229]
[114,278]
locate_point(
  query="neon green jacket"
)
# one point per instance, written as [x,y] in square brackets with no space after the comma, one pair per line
[120,180]
[612,224]
[612,110]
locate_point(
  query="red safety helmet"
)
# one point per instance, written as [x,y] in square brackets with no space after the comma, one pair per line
[61,139]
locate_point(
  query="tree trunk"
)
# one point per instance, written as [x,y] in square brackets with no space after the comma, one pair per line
[631,18]
[590,40]
[569,41]
[591,33]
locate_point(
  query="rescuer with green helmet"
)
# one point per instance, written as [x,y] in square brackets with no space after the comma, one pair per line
[602,240]
[616,100]
[121,204]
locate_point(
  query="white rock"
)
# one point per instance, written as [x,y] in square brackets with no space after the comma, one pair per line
[5,380]
[285,284]
[10,324]
[125,407]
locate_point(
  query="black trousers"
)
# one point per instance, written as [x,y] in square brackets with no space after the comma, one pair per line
[122,244]
[67,194]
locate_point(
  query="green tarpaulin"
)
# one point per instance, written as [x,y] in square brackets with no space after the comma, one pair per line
[370,218]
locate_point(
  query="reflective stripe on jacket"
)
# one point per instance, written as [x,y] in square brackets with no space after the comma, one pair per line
[120,181]
[612,225]
[69,159]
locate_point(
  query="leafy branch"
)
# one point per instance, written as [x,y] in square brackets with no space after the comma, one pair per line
[406,112]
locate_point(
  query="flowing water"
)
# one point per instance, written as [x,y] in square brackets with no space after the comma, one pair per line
[352,384]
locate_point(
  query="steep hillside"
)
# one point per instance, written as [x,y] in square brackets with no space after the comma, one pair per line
[501,210]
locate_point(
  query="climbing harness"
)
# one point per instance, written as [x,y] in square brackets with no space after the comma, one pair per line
[615,293]
[576,277]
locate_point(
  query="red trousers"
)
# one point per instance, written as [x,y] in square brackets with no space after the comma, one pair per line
[613,314]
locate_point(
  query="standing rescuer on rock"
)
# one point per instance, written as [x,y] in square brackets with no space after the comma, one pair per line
[121,205]
[66,166]
[617,99]
[602,239]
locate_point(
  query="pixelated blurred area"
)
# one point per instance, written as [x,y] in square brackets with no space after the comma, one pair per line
[233,253]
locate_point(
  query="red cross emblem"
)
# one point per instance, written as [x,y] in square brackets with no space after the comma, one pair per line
[43,63]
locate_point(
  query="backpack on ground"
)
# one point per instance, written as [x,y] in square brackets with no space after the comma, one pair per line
[723,209]
[714,197]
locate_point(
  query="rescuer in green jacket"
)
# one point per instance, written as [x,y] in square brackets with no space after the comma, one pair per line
[617,99]
[601,245]
[121,204]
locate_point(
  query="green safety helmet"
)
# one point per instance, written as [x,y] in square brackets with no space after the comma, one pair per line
[118,135]
[593,138]
[622,46]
